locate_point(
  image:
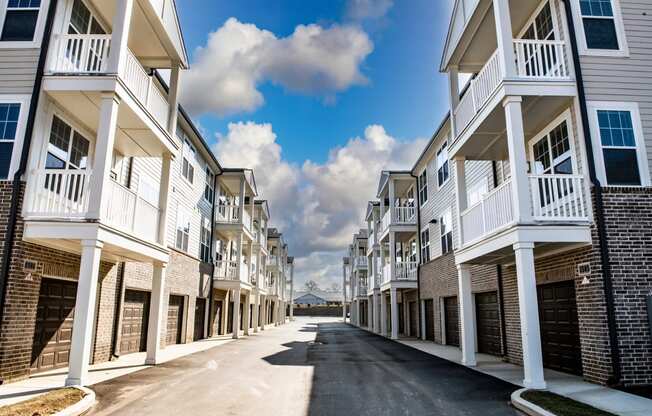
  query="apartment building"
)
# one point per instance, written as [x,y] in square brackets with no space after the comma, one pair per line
[374,266]
[277,279]
[346,287]
[119,227]
[359,278]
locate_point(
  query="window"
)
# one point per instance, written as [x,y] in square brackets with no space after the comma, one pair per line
[67,148]
[542,26]
[442,164]
[82,21]
[446,232]
[618,143]
[552,153]
[9,114]
[205,241]
[209,190]
[187,168]
[183,229]
[425,245]
[600,23]
[476,191]
[423,187]
[20,20]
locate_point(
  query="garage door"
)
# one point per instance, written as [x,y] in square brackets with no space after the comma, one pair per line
[200,314]
[414,319]
[560,334]
[452,327]
[217,317]
[135,310]
[175,316]
[430,319]
[488,319]
[53,330]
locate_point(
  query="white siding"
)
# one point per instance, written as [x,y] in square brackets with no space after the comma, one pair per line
[18,70]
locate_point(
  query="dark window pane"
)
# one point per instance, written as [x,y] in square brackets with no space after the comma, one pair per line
[19,25]
[564,167]
[621,167]
[6,149]
[53,162]
[600,34]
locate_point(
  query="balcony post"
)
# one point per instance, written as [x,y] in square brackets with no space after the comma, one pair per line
[163,197]
[383,314]
[454,91]
[392,256]
[236,313]
[393,299]
[103,153]
[173,98]
[120,35]
[245,312]
[529,316]
[82,334]
[392,202]
[241,199]
[156,314]
[460,194]
[253,210]
[505,38]
[256,316]
[370,313]
[467,318]
[238,257]
[517,159]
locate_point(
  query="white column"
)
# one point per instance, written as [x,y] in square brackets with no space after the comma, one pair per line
[467,318]
[460,194]
[225,314]
[163,198]
[245,312]
[504,38]
[392,202]
[263,312]
[120,35]
[393,299]
[82,327]
[236,313]
[173,99]
[157,314]
[358,310]
[238,256]
[529,314]
[103,153]
[241,199]
[370,313]
[376,310]
[383,315]
[392,255]
[256,316]
[454,90]
[517,159]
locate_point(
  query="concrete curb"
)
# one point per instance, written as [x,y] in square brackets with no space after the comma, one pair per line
[527,407]
[81,406]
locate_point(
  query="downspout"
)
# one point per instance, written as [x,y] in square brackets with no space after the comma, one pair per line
[29,130]
[118,308]
[599,206]
[421,330]
[210,292]
[499,281]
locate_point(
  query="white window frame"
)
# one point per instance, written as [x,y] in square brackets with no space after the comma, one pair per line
[75,126]
[425,245]
[448,212]
[581,36]
[641,151]
[205,226]
[532,20]
[191,162]
[38,30]
[424,173]
[565,116]
[442,148]
[183,214]
[482,183]
[24,101]
[210,183]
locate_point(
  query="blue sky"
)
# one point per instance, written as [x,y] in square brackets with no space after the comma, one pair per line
[317,96]
[403,93]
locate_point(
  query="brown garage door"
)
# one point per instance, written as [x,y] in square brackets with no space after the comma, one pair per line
[560,334]
[53,330]
[452,321]
[175,316]
[414,319]
[488,319]
[135,310]
[200,314]
[430,319]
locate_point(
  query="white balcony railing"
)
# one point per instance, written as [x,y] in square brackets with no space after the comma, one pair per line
[403,270]
[272,260]
[226,270]
[535,60]
[61,193]
[553,198]
[230,214]
[360,262]
[89,54]
[405,215]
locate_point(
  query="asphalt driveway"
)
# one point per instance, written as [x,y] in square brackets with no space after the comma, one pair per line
[313,366]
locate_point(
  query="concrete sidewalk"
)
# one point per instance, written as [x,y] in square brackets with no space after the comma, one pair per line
[42,382]
[567,385]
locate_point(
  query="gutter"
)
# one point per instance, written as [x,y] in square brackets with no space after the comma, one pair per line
[500,286]
[421,330]
[29,130]
[118,312]
[615,379]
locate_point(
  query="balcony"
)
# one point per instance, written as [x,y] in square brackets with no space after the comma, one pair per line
[536,60]
[360,262]
[226,270]
[401,216]
[230,214]
[554,199]
[403,271]
[272,261]
[60,194]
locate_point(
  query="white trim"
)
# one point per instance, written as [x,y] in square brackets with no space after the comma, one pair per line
[641,152]
[19,138]
[565,116]
[38,30]
[535,14]
[623,50]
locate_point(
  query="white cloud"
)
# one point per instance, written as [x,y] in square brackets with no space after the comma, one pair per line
[238,57]
[367,9]
[318,205]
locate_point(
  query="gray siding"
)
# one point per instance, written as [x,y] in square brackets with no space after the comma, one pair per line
[626,79]
[18,70]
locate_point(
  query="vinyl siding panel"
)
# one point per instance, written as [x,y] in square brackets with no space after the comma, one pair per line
[626,79]
[18,70]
